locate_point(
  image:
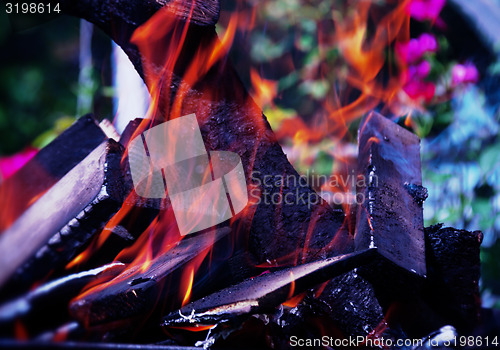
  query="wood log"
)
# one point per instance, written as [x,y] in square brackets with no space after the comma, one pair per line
[229,121]
[265,292]
[390,217]
[48,166]
[136,293]
[350,302]
[50,232]
[50,301]
[301,230]
[454,270]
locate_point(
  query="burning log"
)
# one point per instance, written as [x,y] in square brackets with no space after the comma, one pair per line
[51,299]
[264,292]
[48,166]
[71,212]
[350,302]
[137,293]
[454,269]
[391,216]
[228,118]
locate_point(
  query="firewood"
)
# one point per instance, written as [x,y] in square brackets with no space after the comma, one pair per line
[50,301]
[265,292]
[229,121]
[48,166]
[390,217]
[454,270]
[136,294]
[269,231]
[51,231]
[350,302]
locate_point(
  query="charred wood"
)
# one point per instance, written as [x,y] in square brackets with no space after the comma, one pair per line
[391,215]
[229,121]
[265,292]
[49,302]
[71,212]
[454,269]
[135,293]
[48,166]
[349,301]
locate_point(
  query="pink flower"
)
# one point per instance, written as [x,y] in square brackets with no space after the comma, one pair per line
[10,164]
[420,71]
[427,43]
[418,89]
[423,10]
[413,50]
[464,74]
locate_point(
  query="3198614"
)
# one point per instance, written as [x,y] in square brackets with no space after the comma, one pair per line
[32,8]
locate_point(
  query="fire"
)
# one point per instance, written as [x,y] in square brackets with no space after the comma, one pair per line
[189,278]
[265,90]
[367,57]
[195,328]
[161,42]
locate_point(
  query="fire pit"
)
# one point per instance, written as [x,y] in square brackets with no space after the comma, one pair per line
[192,229]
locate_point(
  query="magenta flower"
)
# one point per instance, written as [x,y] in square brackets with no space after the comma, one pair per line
[418,89]
[419,71]
[423,10]
[464,74]
[10,164]
[413,50]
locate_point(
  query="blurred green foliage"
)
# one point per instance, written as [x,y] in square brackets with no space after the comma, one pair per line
[38,71]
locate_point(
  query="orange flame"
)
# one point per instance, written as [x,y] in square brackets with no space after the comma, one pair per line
[189,277]
[264,90]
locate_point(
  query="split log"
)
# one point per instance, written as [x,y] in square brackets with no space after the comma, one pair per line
[48,166]
[135,293]
[391,216]
[265,292]
[51,231]
[50,301]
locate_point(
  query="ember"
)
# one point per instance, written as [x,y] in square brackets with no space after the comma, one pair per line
[193,228]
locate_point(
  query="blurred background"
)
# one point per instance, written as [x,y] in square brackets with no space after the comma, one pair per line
[316,67]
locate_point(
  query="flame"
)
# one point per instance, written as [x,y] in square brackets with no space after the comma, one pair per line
[295,300]
[367,57]
[194,328]
[189,288]
[264,90]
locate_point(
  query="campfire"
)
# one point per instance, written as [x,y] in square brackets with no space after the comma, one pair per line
[191,228]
